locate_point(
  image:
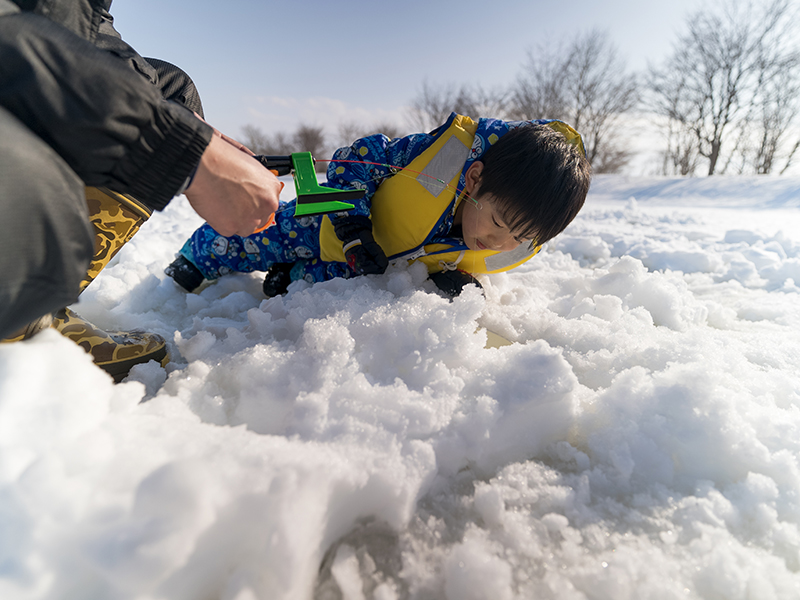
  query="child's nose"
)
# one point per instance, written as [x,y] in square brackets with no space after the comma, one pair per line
[504,243]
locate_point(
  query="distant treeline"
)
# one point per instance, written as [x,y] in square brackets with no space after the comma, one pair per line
[726,100]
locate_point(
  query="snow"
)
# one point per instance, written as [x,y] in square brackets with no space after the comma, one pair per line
[356,440]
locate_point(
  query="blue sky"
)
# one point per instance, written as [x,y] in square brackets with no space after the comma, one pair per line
[276,64]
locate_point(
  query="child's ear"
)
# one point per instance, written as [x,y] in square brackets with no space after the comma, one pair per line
[473,177]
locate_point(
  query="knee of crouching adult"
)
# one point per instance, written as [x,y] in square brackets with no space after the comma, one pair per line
[45,231]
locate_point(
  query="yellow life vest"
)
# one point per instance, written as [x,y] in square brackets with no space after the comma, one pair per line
[406,210]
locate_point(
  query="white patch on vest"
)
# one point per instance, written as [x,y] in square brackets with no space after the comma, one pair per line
[445,164]
[504,260]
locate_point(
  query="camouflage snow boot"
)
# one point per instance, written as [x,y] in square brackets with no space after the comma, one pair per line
[113,351]
[115,218]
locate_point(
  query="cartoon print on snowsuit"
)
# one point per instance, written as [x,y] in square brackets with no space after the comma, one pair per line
[363,165]
[288,241]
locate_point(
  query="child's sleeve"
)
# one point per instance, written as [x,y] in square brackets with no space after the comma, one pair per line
[370,160]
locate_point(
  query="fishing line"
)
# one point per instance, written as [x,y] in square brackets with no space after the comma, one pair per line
[405,172]
[396,170]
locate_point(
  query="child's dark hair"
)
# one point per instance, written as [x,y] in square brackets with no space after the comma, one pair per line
[538,179]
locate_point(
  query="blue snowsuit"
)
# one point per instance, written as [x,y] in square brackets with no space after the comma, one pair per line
[297,241]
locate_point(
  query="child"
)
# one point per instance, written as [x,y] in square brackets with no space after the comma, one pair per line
[470,197]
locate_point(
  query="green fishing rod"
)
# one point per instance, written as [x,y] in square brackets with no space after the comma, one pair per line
[312,198]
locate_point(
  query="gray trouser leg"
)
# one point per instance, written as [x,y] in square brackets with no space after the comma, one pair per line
[46,241]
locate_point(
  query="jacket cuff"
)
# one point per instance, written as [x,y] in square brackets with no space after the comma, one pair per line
[167,155]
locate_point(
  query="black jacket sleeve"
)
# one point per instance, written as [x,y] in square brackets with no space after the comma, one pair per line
[104,119]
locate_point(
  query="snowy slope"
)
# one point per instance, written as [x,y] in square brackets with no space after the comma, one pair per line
[355,439]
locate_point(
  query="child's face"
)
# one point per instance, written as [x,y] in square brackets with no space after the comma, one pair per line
[481,224]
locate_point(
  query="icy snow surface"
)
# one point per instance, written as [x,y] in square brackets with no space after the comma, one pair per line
[355,439]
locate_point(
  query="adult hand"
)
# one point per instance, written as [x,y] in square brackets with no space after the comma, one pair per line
[232,191]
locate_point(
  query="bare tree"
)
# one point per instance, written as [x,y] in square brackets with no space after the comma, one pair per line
[255,139]
[261,143]
[584,83]
[305,139]
[390,130]
[681,155]
[540,90]
[349,131]
[478,102]
[776,108]
[730,78]
[312,139]
[790,156]
[434,104]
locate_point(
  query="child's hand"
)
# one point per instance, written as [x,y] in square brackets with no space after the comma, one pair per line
[452,282]
[363,253]
[365,256]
